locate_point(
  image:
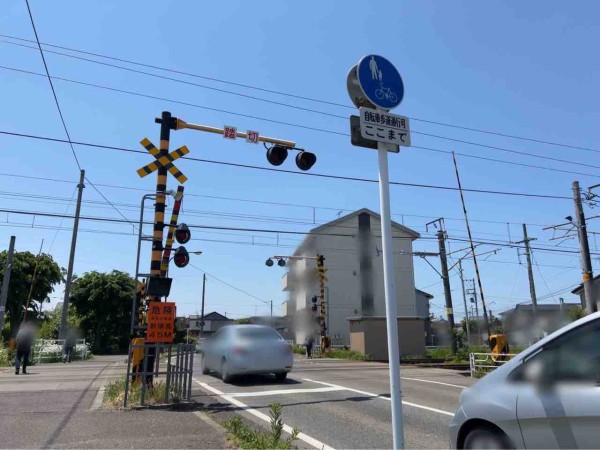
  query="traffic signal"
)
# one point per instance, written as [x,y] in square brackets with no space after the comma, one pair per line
[182,233]
[314,303]
[182,257]
[276,155]
[281,262]
[305,160]
[269,262]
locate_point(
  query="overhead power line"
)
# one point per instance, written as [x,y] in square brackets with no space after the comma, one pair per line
[310,174]
[318,112]
[300,97]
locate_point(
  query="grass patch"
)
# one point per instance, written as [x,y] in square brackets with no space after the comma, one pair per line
[4,360]
[245,437]
[114,394]
[347,354]
[299,350]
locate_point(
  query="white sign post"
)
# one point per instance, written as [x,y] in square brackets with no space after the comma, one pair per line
[383,88]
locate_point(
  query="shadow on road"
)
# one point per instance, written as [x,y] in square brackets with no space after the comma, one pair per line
[259,380]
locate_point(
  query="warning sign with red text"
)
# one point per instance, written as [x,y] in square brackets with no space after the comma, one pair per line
[161,322]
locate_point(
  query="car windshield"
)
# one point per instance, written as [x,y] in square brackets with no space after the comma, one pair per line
[258,333]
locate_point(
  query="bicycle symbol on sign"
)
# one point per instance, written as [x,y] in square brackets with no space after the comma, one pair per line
[387,93]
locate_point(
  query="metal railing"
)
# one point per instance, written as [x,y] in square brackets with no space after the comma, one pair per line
[51,350]
[482,363]
[177,370]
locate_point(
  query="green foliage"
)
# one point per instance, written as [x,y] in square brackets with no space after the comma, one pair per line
[244,321]
[47,275]
[51,323]
[299,350]
[347,354]
[576,313]
[4,360]
[103,301]
[247,438]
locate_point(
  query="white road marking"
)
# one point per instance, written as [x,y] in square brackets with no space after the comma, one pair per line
[283,391]
[98,399]
[369,394]
[303,437]
[435,382]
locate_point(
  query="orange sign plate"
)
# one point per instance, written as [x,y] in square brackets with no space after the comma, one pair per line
[161,322]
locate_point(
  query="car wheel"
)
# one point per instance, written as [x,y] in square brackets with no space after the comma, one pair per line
[486,438]
[205,370]
[225,376]
[281,376]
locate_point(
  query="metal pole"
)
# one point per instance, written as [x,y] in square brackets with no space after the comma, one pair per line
[65,306]
[137,262]
[462,199]
[586,261]
[464,295]
[6,280]
[476,311]
[530,272]
[272,325]
[447,292]
[391,308]
[202,310]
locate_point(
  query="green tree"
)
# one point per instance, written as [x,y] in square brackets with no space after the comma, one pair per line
[47,276]
[51,322]
[103,301]
[576,313]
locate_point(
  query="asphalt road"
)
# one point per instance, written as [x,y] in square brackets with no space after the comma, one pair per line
[345,404]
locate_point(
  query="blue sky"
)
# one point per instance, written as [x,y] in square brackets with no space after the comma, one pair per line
[523,69]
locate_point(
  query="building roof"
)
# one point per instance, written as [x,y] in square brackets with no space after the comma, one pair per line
[579,289]
[429,296]
[544,307]
[341,219]
[215,316]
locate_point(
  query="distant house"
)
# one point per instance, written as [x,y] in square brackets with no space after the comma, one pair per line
[596,289]
[212,322]
[519,324]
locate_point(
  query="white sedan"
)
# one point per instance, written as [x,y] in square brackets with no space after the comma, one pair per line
[548,396]
[247,349]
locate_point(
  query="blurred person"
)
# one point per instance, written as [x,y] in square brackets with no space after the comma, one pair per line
[309,342]
[69,346]
[24,341]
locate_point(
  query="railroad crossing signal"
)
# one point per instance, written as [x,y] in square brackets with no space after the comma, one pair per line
[165,161]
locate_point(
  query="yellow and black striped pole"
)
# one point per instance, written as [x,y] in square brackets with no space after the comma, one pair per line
[170,234]
[167,123]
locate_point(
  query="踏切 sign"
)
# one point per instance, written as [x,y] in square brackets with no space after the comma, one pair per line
[384,127]
[252,137]
[229,132]
[161,322]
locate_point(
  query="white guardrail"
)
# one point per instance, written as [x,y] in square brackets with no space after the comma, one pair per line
[481,363]
[51,350]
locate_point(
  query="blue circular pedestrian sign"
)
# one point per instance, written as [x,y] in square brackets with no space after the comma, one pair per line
[380,81]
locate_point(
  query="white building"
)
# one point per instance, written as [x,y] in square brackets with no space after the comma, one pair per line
[354,260]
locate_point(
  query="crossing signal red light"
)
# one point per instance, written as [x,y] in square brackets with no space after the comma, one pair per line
[314,308]
[305,160]
[277,154]
[269,262]
[281,262]
[182,257]
[183,233]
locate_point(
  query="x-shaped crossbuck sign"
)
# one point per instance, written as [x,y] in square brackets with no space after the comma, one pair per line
[165,161]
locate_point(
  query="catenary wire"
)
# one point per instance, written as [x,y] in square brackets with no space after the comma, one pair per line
[301,97]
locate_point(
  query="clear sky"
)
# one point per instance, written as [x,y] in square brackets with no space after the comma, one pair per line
[517,68]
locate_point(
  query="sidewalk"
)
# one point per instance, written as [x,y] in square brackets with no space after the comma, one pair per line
[55,406]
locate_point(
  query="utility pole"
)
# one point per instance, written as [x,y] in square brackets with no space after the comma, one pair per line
[586,260]
[65,307]
[202,310]
[464,295]
[526,241]
[447,293]
[272,314]
[476,311]
[6,280]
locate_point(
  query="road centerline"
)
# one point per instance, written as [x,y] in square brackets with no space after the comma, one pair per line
[370,394]
[288,429]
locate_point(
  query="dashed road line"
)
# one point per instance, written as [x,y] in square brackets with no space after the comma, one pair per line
[370,394]
[303,437]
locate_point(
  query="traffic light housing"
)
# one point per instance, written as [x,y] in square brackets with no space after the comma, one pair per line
[269,262]
[277,154]
[281,262]
[182,257]
[183,233]
[305,160]
[314,303]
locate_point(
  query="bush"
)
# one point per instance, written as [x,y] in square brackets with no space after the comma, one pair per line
[51,352]
[114,394]
[298,349]
[247,438]
[4,361]
[347,354]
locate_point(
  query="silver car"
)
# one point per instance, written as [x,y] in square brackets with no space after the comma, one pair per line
[247,349]
[548,396]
